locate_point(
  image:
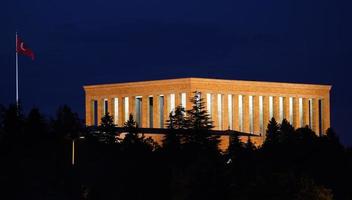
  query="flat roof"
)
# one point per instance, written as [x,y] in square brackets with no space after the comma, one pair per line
[213,80]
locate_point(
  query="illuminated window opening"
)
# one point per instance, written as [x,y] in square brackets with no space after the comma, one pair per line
[300,107]
[116,111]
[106,107]
[291,110]
[220,111]
[240,112]
[161,111]
[250,104]
[126,108]
[271,107]
[151,111]
[229,107]
[209,104]
[261,115]
[320,131]
[183,100]
[281,109]
[95,113]
[138,110]
[172,103]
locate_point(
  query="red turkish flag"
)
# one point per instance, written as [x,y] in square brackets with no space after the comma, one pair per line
[21,48]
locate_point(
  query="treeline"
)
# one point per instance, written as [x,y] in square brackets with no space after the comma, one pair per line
[36,160]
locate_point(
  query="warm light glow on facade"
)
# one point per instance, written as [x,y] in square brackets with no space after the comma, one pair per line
[245,106]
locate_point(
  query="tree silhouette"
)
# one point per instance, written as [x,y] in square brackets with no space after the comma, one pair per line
[235,145]
[171,140]
[292,164]
[67,123]
[131,126]
[272,133]
[286,132]
[199,123]
[332,137]
[135,142]
[107,129]
[198,117]
[36,124]
[305,135]
[249,145]
[177,119]
[2,116]
[13,122]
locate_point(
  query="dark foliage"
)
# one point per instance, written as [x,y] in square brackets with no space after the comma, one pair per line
[198,121]
[107,132]
[291,164]
[67,123]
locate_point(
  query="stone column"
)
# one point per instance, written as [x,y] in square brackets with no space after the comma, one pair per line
[305,112]
[89,112]
[112,107]
[100,110]
[276,109]
[189,100]
[315,116]
[145,113]
[121,119]
[214,111]
[296,119]
[235,112]
[256,121]
[245,108]
[225,112]
[177,99]
[156,111]
[166,108]
[266,115]
[287,108]
[326,113]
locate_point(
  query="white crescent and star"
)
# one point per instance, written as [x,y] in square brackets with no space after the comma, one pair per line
[22,47]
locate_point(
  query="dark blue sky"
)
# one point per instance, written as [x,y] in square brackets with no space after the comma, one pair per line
[96,41]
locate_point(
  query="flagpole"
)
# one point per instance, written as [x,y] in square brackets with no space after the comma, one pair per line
[17,103]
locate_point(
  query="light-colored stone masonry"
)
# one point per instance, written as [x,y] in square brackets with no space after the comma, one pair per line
[318,94]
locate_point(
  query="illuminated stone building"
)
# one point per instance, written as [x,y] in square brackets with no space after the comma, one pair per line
[245,106]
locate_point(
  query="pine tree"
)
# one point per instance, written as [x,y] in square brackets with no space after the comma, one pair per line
[171,140]
[132,134]
[107,129]
[177,119]
[36,125]
[198,117]
[131,125]
[67,123]
[199,123]
[250,145]
[12,125]
[235,145]
[286,132]
[134,142]
[332,137]
[13,121]
[272,132]
[286,127]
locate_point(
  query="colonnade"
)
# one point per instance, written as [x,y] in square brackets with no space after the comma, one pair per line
[241,112]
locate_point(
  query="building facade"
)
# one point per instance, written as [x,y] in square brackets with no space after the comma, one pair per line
[245,106]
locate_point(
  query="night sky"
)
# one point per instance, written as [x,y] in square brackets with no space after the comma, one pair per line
[106,41]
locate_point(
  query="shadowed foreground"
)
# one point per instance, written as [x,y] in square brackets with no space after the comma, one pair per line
[291,164]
